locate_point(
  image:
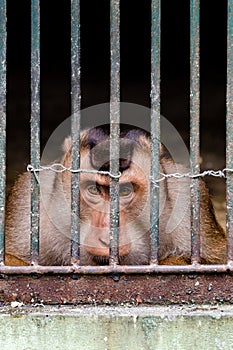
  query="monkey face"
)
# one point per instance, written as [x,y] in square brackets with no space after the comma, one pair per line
[95,215]
[134,210]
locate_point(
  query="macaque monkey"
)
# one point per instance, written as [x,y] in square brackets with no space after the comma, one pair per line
[134,231]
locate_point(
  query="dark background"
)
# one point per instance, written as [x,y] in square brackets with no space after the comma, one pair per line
[135,68]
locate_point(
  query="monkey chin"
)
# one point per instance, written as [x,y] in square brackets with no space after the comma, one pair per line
[101,260]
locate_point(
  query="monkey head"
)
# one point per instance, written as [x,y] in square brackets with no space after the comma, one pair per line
[134,165]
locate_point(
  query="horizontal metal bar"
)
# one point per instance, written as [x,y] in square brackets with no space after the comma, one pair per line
[3,38]
[116,269]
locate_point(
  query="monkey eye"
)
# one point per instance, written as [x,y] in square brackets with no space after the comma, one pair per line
[94,190]
[126,190]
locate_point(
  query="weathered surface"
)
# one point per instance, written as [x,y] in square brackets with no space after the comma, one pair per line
[143,328]
[129,290]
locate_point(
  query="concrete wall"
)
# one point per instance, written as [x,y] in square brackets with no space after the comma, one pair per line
[125,328]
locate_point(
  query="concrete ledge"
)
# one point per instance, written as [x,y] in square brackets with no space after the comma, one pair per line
[128,328]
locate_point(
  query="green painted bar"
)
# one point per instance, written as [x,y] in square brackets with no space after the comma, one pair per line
[155,127]
[229,133]
[75,130]
[195,126]
[3,37]
[35,128]
[114,128]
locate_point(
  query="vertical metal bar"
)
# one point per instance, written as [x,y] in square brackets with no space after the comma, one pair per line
[3,37]
[155,127]
[35,127]
[195,126]
[229,133]
[114,128]
[75,130]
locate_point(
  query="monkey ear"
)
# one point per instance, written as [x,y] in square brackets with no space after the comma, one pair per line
[67,144]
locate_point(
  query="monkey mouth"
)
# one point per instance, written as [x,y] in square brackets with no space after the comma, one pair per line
[104,260]
[101,260]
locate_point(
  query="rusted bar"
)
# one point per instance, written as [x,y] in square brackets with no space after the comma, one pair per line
[35,127]
[229,133]
[155,128]
[114,129]
[3,37]
[117,269]
[195,126]
[75,130]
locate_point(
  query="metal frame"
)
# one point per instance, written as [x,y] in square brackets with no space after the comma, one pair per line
[113,268]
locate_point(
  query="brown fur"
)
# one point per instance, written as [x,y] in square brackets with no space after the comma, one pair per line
[174,239]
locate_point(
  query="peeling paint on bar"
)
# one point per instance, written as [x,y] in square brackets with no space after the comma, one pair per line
[117,269]
[75,130]
[195,125]
[229,133]
[35,127]
[155,127]
[3,37]
[114,129]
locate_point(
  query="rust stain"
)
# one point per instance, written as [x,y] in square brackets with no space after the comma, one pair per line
[129,289]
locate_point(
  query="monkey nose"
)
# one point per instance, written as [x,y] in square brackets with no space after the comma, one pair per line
[124,247]
[100,220]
